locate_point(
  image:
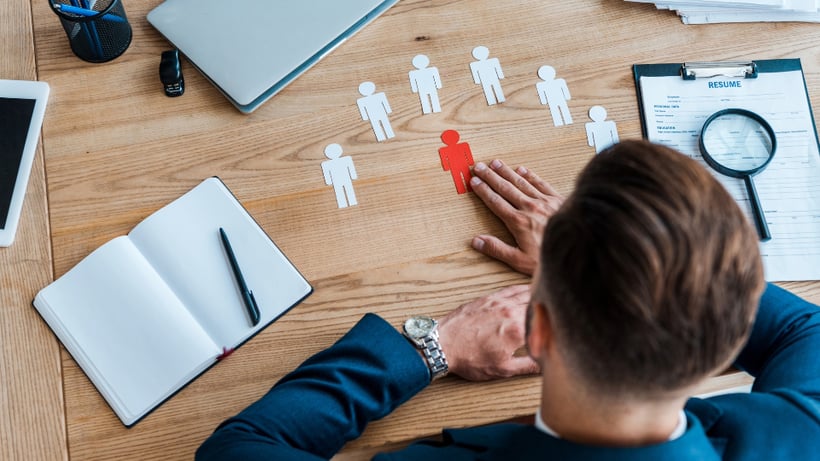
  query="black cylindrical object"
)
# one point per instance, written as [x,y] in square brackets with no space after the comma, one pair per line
[97,30]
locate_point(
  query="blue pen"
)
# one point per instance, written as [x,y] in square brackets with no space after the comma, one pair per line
[84,29]
[84,12]
[93,29]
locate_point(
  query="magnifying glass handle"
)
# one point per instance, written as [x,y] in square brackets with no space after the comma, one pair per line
[757,211]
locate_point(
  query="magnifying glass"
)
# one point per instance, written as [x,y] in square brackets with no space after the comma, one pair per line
[740,144]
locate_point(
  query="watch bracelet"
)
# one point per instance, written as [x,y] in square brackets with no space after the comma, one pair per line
[436,361]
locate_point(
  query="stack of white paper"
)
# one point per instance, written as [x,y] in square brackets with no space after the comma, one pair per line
[716,11]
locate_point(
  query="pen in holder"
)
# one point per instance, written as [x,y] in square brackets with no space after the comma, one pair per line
[98,30]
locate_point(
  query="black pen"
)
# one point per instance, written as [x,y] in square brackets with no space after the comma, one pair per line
[247,295]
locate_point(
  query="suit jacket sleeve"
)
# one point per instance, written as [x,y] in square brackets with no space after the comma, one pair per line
[326,401]
[782,351]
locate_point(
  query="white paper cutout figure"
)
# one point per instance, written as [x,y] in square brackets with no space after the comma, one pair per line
[426,81]
[601,133]
[488,73]
[374,107]
[554,92]
[339,172]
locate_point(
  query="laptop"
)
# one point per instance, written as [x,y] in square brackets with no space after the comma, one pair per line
[252,49]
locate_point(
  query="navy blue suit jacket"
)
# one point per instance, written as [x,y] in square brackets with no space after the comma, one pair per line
[330,398]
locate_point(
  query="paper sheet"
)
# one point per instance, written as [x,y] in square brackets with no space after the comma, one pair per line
[789,188]
[728,11]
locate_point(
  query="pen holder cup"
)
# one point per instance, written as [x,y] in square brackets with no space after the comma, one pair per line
[98,30]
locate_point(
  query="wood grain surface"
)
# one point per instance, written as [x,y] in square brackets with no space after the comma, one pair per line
[32,419]
[116,150]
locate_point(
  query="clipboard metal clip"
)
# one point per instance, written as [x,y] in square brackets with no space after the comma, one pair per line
[693,70]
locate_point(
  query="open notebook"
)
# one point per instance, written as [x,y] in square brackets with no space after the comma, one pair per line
[146,313]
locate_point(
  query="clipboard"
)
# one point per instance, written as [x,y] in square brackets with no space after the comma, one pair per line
[676,99]
[733,69]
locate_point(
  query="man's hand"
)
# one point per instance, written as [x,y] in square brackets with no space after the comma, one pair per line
[481,339]
[524,202]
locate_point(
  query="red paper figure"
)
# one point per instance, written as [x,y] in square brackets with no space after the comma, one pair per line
[456,158]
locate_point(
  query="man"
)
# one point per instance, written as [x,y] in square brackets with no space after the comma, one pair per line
[647,281]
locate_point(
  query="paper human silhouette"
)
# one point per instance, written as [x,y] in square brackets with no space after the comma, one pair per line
[456,158]
[601,133]
[488,74]
[339,172]
[554,92]
[426,81]
[375,108]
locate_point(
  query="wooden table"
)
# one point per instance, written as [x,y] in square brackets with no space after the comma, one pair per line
[116,149]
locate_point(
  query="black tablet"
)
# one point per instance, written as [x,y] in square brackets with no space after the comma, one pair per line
[22,106]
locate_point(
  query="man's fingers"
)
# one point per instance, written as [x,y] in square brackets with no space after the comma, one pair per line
[516,298]
[518,366]
[495,202]
[503,187]
[536,181]
[518,295]
[527,366]
[521,183]
[515,292]
[496,248]
[493,246]
[522,297]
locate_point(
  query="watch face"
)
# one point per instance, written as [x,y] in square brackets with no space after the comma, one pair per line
[419,327]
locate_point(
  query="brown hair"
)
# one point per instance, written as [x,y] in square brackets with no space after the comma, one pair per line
[650,272]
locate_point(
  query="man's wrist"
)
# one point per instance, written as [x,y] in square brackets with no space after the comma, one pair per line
[445,337]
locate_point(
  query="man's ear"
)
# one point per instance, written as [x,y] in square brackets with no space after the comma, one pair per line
[539,334]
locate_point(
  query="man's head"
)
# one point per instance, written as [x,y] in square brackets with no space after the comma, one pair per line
[649,275]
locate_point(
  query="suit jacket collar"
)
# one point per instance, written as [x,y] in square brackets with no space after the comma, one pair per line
[514,442]
[707,412]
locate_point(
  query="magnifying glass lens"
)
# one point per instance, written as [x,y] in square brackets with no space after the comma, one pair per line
[738,142]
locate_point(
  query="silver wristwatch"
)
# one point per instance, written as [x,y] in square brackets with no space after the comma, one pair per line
[423,333]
